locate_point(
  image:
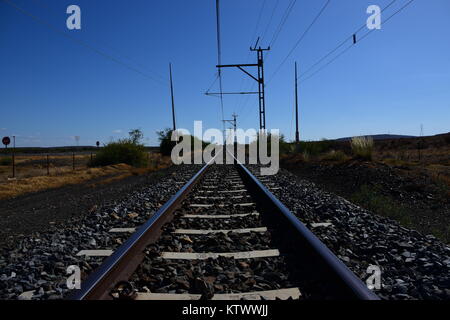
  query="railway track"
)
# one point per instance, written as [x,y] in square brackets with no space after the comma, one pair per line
[223,236]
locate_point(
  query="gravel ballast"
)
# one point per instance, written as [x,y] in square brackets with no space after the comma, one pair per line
[413,265]
[35,266]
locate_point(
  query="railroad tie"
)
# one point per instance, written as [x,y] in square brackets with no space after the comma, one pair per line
[205,231]
[232,191]
[214,255]
[282,294]
[219,216]
[200,205]
[321,224]
[95,253]
[219,198]
[122,230]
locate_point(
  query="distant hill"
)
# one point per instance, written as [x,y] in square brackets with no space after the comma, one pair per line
[380,137]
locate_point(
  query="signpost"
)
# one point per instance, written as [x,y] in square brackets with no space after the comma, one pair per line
[6,141]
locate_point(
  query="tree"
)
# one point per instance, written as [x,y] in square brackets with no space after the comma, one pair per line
[165,143]
[136,135]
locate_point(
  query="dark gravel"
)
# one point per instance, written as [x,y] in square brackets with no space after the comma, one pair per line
[207,277]
[38,262]
[413,265]
[212,276]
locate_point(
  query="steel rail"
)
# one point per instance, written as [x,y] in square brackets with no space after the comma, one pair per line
[124,261]
[347,284]
[338,281]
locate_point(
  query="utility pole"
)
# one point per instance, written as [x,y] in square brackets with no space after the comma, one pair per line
[171,93]
[297,135]
[259,79]
[14,157]
[261,91]
[234,123]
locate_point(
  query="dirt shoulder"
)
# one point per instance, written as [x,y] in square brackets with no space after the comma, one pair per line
[411,195]
[42,210]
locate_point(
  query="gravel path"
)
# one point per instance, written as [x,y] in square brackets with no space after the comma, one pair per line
[413,266]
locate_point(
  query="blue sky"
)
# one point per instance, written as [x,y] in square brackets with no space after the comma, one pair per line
[54,88]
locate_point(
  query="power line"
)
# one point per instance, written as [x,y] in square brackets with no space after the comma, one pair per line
[300,39]
[270,19]
[342,43]
[284,18]
[352,45]
[242,102]
[219,60]
[259,19]
[239,101]
[137,63]
[120,53]
[213,83]
[81,42]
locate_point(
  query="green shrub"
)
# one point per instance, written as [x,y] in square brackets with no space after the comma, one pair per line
[166,144]
[129,151]
[315,148]
[334,155]
[284,147]
[5,161]
[122,151]
[362,147]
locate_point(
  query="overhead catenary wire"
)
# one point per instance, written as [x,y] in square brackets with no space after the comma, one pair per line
[342,43]
[219,61]
[259,19]
[102,41]
[275,36]
[284,18]
[302,36]
[216,77]
[302,77]
[279,29]
[270,19]
[82,42]
[252,39]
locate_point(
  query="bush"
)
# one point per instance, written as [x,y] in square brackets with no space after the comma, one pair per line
[315,148]
[129,151]
[306,156]
[334,155]
[362,147]
[166,144]
[122,151]
[6,161]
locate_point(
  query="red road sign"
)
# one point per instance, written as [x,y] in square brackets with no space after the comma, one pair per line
[6,141]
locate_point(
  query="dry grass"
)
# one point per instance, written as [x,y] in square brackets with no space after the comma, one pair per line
[362,147]
[334,155]
[35,179]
